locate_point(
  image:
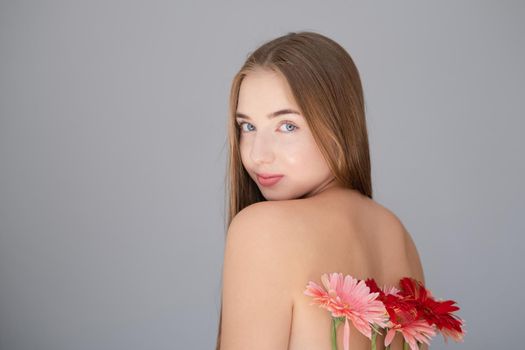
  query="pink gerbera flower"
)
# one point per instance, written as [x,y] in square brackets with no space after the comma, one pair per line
[413,331]
[349,298]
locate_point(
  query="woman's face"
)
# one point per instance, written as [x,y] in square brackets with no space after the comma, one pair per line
[278,143]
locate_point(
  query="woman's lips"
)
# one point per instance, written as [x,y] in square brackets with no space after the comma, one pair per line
[270,180]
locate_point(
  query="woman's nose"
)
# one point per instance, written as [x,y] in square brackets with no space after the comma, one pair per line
[262,151]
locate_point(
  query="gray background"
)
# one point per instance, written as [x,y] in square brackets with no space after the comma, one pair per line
[113,150]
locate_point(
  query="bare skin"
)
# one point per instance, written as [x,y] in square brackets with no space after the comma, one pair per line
[318,227]
[349,233]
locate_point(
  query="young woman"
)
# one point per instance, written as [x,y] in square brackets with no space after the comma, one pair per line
[300,198]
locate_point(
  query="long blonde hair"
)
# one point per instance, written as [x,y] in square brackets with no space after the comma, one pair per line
[327,88]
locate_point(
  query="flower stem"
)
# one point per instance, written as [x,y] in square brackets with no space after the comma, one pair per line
[374,335]
[405,345]
[334,335]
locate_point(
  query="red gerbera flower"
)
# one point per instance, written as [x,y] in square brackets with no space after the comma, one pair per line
[398,309]
[435,312]
[403,316]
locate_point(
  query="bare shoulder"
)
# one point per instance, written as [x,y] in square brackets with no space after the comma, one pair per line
[275,225]
[273,210]
[271,229]
[271,218]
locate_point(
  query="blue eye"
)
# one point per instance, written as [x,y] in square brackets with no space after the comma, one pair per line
[286,123]
[241,124]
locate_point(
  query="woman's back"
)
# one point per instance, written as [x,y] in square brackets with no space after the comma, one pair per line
[344,231]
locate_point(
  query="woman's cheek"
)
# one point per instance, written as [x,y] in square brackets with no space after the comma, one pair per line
[294,152]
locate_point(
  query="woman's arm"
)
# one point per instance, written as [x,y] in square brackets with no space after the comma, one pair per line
[257,298]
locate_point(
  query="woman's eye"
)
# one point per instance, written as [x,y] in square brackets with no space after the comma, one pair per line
[242,124]
[288,129]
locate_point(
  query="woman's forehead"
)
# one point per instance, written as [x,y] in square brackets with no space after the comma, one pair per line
[264,90]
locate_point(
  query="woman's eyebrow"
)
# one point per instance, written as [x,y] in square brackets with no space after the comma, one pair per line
[271,115]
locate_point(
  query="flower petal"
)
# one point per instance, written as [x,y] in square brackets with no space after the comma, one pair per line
[390,336]
[346,334]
